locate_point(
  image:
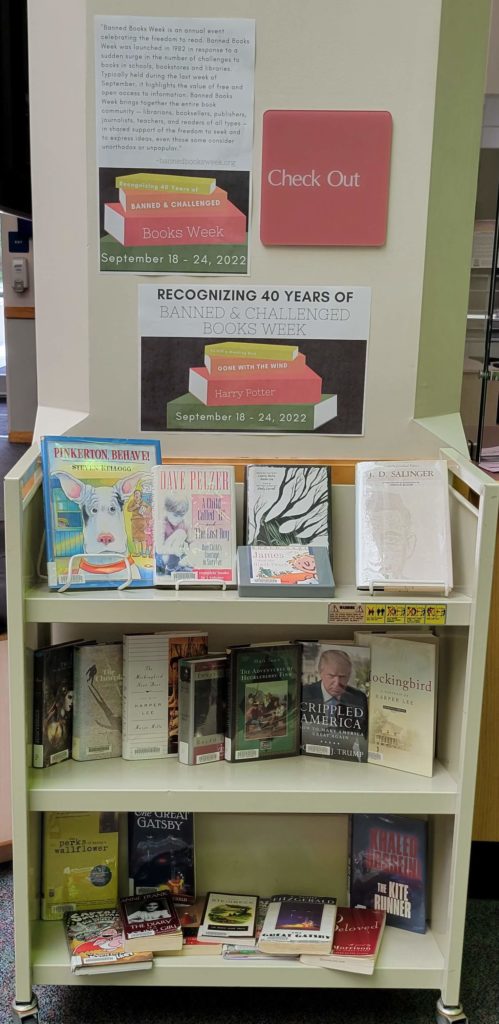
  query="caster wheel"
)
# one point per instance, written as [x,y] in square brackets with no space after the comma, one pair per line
[450,1014]
[27,1013]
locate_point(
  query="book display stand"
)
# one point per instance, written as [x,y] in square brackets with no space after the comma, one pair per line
[345,273]
[299,804]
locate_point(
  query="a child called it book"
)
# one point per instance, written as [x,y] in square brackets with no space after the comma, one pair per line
[98,511]
[194,525]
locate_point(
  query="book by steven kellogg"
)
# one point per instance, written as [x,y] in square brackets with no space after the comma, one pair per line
[98,511]
[388,868]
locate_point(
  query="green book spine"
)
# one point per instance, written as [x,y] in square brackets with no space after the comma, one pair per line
[189,413]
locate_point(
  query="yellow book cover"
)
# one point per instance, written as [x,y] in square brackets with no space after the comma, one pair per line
[167,183]
[248,350]
[80,862]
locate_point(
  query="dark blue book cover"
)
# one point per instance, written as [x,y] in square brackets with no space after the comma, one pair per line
[388,865]
[161,854]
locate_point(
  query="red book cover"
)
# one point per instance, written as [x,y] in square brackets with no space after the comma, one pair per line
[144,202]
[256,388]
[195,227]
[357,931]
[235,369]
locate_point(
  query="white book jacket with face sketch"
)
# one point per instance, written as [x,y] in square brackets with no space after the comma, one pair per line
[403,524]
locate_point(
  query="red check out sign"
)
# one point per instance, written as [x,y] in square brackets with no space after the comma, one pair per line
[325,177]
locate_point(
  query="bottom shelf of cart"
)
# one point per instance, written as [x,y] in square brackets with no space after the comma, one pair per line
[406,960]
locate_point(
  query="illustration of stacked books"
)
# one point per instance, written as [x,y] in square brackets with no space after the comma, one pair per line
[252,386]
[172,209]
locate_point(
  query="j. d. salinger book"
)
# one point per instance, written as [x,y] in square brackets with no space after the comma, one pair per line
[96,943]
[388,864]
[98,700]
[194,524]
[334,700]
[52,704]
[230,916]
[202,700]
[403,538]
[403,703]
[98,511]
[79,862]
[161,854]
[298,924]
[357,939]
[263,702]
[288,505]
[150,690]
[150,922]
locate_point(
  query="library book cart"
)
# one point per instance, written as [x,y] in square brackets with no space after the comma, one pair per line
[276,826]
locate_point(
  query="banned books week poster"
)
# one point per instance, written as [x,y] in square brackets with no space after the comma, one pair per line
[289,359]
[174,121]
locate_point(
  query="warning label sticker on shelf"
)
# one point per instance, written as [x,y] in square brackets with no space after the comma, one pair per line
[388,614]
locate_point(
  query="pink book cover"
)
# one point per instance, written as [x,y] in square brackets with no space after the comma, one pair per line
[255,388]
[138,203]
[195,228]
[223,368]
[325,177]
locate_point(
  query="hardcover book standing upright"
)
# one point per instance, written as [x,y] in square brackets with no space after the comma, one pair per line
[388,857]
[98,700]
[52,704]
[403,539]
[263,702]
[334,700]
[202,699]
[194,524]
[98,511]
[288,505]
[403,703]
[150,690]
[161,854]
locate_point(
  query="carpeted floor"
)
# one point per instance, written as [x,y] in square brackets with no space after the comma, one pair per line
[59,1005]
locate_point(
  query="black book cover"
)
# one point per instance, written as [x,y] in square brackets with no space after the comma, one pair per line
[52,704]
[161,854]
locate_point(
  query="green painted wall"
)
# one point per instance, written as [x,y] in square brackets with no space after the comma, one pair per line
[456,143]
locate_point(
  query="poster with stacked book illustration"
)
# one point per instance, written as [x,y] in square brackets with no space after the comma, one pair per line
[174,117]
[289,359]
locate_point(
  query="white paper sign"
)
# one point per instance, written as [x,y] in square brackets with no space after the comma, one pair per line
[174,123]
[253,359]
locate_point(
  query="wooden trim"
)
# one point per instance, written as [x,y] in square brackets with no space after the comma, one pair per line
[343,469]
[5,851]
[19,312]
[20,436]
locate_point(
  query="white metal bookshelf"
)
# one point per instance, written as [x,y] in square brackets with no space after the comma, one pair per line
[292,814]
